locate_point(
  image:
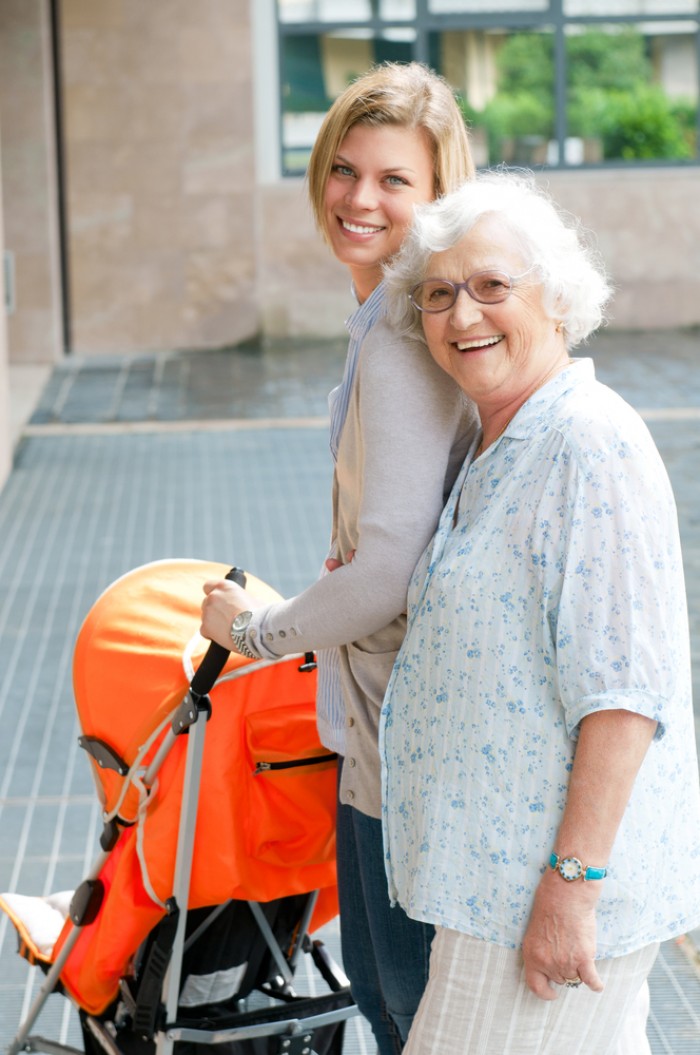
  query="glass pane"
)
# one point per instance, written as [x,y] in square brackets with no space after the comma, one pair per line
[480,7]
[610,8]
[632,92]
[316,69]
[324,10]
[506,84]
[398,10]
[345,10]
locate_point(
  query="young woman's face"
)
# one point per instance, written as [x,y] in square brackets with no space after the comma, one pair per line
[378,175]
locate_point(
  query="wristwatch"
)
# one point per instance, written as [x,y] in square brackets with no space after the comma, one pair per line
[570,869]
[239,628]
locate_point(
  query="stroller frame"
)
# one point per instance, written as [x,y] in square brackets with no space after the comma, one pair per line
[295,1033]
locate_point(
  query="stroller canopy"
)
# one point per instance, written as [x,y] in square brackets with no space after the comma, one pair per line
[266,813]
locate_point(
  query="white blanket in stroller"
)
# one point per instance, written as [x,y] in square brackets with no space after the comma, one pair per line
[38,920]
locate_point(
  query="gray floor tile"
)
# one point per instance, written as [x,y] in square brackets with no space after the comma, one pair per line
[81,508]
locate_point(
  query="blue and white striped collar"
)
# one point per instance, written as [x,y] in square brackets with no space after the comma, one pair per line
[366,314]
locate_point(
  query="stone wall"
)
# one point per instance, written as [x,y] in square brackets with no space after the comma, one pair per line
[29,180]
[5,429]
[159,149]
[647,223]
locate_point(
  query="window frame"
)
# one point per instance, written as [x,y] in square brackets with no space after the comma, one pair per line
[551,17]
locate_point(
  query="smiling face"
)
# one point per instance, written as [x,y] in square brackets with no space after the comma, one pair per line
[497,353]
[378,175]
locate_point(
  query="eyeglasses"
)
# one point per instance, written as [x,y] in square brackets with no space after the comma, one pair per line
[487,287]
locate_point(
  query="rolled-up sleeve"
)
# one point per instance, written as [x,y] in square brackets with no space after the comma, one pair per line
[620,624]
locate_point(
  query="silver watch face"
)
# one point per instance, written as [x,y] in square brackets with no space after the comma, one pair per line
[241,622]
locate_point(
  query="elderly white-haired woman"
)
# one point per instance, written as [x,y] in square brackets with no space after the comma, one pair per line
[540,781]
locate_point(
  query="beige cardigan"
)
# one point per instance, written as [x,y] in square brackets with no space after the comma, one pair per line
[407,430]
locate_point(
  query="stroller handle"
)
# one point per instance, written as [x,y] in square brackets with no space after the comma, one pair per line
[216,655]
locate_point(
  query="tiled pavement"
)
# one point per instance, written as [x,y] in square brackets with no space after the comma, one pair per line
[219,455]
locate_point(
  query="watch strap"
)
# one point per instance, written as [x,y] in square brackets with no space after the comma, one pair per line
[238,634]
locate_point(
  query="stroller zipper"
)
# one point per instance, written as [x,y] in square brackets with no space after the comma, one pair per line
[294,763]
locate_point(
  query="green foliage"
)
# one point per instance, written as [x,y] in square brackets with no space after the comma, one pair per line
[642,125]
[524,105]
[685,112]
[611,96]
[607,61]
[525,63]
[521,116]
[587,111]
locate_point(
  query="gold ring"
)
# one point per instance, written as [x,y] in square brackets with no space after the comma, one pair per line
[572,983]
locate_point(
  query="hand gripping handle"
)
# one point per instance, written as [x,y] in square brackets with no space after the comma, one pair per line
[216,655]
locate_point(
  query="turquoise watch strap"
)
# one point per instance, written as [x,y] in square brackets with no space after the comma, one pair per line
[570,869]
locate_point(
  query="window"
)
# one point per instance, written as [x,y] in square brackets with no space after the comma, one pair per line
[316,67]
[542,82]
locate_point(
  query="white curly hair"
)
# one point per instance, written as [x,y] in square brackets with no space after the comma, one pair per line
[576,289]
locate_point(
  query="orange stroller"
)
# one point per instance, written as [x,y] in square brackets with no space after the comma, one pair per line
[218,848]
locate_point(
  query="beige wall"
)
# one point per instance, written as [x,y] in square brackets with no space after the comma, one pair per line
[302,288]
[159,148]
[647,225]
[5,426]
[29,180]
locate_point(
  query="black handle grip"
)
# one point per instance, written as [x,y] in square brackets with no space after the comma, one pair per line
[216,655]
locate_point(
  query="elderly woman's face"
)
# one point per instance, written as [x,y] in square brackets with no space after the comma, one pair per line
[495,352]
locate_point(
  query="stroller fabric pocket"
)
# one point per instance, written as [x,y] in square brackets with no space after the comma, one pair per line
[292,777]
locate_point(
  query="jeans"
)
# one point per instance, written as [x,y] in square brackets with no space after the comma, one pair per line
[385,954]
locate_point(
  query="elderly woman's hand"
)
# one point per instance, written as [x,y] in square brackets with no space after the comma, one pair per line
[223,602]
[560,940]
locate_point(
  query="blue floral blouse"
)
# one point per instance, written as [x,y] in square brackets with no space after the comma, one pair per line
[553,588]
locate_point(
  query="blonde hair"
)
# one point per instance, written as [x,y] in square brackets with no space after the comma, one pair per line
[407,96]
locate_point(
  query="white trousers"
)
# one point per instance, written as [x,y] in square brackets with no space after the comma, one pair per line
[476,1003]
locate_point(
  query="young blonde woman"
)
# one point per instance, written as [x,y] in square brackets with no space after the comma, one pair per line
[399,430]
